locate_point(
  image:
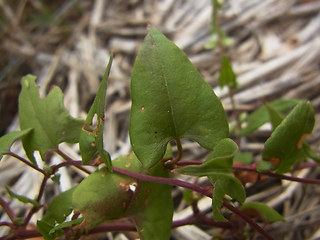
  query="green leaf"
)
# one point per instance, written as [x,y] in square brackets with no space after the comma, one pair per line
[58,210]
[22,198]
[65,225]
[244,157]
[285,146]
[7,140]
[225,184]
[104,196]
[275,116]
[218,168]
[262,211]
[311,153]
[261,115]
[189,196]
[170,100]
[91,140]
[48,118]
[219,161]
[227,76]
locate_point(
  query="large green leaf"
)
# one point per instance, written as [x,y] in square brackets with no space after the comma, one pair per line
[261,115]
[50,121]
[261,210]
[7,140]
[170,100]
[59,208]
[104,196]
[218,168]
[285,146]
[91,140]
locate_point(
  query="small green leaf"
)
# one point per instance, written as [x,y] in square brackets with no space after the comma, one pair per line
[225,184]
[219,161]
[264,212]
[227,76]
[275,116]
[50,121]
[244,157]
[311,153]
[58,210]
[218,168]
[22,198]
[91,140]
[189,196]
[87,143]
[44,228]
[56,178]
[7,140]
[106,196]
[285,146]
[261,115]
[65,225]
[264,166]
[170,100]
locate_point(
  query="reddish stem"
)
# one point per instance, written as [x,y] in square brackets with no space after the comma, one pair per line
[68,159]
[7,209]
[34,209]
[271,174]
[26,162]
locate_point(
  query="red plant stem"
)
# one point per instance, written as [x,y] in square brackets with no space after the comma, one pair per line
[169,181]
[68,159]
[252,168]
[120,227]
[7,209]
[26,162]
[248,220]
[68,163]
[193,187]
[34,209]
[8,224]
[289,178]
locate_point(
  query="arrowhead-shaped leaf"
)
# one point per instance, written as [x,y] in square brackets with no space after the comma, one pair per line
[227,76]
[262,211]
[285,146]
[7,140]
[106,196]
[261,115]
[218,168]
[170,100]
[91,140]
[50,121]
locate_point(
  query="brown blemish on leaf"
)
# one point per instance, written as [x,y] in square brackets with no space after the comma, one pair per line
[93,144]
[302,138]
[274,160]
[126,186]
[128,164]
[63,132]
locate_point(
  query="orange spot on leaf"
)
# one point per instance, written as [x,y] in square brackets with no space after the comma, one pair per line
[302,138]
